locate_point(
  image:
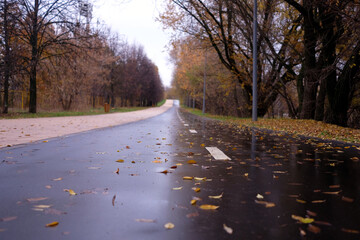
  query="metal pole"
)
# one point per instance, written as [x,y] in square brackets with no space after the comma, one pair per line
[254,101]
[203,108]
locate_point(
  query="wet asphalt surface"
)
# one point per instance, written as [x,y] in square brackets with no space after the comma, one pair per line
[271,180]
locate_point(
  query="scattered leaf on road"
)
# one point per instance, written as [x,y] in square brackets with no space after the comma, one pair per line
[169,225]
[117,171]
[71,192]
[165,172]
[120,160]
[209,207]
[177,188]
[259,196]
[57,179]
[196,189]
[200,179]
[350,231]
[217,197]
[227,229]
[193,202]
[267,204]
[187,178]
[36,199]
[191,162]
[302,220]
[143,220]
[113,200]
[8,219]
[313,229]
[53,224]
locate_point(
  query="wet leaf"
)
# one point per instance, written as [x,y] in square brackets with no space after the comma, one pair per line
[48,186]
[259,196]
[217,197]
[318,201]
[209,207]
[173,167]
[227,229]
[120,160]
[187,178]
[177,188]
[165,172]
[310,213]
[202,145]
[57,179]
[301,201]
[191,162]
[179,164]
[193,202]
[322,223]
[355,159]
[353,231]
[267,204]
[200,179]
[113,200]
[346,199]
[196,189]
[302,220]
[52,224]
[313,229]
[169,225]
[157,161]
[117,171]
[44,141]
[332,193]
[94,168]
[191,215]
[127,147]
[143,220]
[8,219]
[36,199]
[71,192]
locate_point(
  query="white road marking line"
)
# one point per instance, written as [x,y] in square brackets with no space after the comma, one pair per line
[186,125]
[192,131]
[217,153]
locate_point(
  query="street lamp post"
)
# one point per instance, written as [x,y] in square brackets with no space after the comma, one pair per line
[254,100]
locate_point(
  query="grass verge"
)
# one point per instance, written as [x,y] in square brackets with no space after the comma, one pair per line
[308,128]
[96,111]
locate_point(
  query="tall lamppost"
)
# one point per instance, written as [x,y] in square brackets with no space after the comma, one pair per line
[254,100]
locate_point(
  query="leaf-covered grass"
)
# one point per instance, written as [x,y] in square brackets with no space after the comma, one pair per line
[159,104]
[308,128]
[96,111]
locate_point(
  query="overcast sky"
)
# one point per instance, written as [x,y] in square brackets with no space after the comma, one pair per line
[135,19]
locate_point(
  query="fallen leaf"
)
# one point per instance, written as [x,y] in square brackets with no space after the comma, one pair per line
[302,220]
[36,199]
[302,232]
[157,161]
[334,186]
[48,186]
[217,197]
[127,147]
[191,162]
[143,220]
[57,179]
[132,161]
[318,201]
[120,160]
[346,199]
[53,224]
[42,206]
[44,141]
[179,164]
[177,188]
[332,193]
[71,192]
[227,229]
[200,179]
[259,196]
[267,204]
[165,172]
[196,189]
[117,171]
[94,168]
[169,225]
[322,223]
[313,229]
[193,202]
[8,219]
[173,167]
[300,201]
[113,200]
[310,213]
[229,168]
[191,215]
[209,207]
[187,178]
[190,154]
[355,159]
[202,145]
[350,231]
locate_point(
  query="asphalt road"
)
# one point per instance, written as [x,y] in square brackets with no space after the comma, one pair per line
[274,187]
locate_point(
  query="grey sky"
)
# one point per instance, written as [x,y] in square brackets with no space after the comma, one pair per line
[135,19]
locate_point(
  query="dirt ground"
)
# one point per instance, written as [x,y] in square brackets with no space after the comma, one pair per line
[20,131]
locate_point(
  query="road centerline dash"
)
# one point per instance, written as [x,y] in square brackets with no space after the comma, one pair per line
[217,153]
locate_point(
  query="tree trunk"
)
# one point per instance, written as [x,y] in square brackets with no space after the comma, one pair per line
[34,58]
[6,59]
[320,102]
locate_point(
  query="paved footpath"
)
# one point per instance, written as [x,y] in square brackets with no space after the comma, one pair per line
[20,131]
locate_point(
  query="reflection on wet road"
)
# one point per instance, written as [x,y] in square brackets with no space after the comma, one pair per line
[273,187]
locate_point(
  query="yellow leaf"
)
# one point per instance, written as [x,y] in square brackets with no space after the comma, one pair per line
[196,189]
[217,197]
[53,224]
[177,188]
[157,161]
[267,204]
[187,178]
[71,192]
[179,164]
[45,141]
[302,220]
[191,162]
[193,202]
[209,207]
[202,145]
[300,201]
[169,225]
[200,179]
[120,160]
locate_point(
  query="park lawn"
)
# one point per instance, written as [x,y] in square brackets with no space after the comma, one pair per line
[308,128]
